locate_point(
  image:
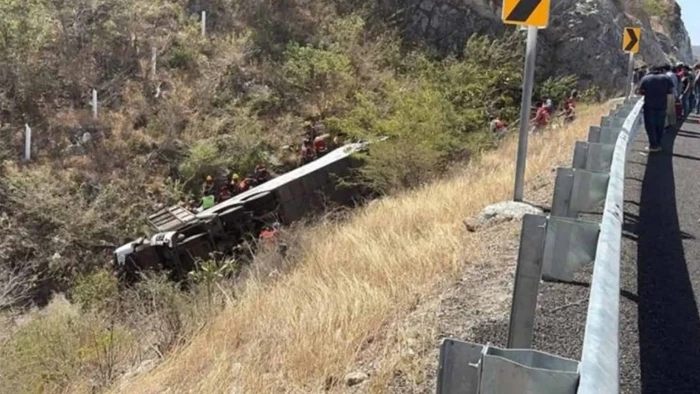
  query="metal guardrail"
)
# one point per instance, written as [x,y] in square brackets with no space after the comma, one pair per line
[554,247]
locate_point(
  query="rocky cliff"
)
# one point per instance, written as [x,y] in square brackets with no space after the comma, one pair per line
[584,36]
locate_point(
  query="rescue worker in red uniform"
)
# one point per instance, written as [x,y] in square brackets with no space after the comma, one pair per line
[320,147]
[541,119]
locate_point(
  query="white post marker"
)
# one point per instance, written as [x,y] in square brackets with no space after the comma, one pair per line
[154,60]
[94,104]
[27,142]
[630,76]
[534,14]
[204,23]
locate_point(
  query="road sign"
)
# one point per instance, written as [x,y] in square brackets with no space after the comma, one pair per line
[631,38]
[526,12]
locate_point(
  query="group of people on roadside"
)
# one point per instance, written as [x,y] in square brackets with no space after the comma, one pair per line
[670,95]
[544,111]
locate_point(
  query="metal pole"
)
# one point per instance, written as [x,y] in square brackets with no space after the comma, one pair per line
[630,76]
[27,142]
[94,104]
[528,81]
[204,23]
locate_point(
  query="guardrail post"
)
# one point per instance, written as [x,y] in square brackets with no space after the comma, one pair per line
[577,191]
[593,156]
[469,368]
[569,245]
[527,279]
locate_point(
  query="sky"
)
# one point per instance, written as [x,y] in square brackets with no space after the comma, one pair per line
[690,10]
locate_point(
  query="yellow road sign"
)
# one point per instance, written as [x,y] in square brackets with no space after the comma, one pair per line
[526,12]
[631,39]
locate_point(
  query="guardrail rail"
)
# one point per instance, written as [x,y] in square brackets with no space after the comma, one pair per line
[554,247]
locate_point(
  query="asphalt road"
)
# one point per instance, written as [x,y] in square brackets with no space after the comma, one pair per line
[659,322]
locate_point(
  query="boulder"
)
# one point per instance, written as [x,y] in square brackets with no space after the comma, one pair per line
[355,378]
[498,213]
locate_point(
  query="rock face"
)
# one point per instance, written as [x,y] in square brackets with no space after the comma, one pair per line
[584,36]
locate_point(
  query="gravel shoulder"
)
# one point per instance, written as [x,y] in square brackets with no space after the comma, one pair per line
[660,275]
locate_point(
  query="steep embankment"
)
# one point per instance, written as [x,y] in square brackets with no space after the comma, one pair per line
[584,37]
[340,309]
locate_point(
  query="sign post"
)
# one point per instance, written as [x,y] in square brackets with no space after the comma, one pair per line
[534,14]
[204,23]
[631,40]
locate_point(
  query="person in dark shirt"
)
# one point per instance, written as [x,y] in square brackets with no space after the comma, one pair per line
[655,88]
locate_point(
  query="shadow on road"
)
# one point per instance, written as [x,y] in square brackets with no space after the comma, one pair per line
[669,325]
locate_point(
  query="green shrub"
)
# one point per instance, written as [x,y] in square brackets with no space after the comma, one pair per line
[557,88]
[657,7]
[98,290]
[62,347]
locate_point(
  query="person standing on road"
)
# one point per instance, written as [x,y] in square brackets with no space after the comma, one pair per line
[686,87]
[696,86]
[672,97]
[655,88]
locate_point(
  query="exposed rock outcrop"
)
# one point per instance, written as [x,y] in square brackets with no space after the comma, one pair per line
[584,36]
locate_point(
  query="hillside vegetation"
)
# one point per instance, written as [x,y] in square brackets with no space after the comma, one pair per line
[295,326]
[225,101]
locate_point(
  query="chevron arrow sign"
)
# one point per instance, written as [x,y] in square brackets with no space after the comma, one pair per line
[631,39]
[526,12]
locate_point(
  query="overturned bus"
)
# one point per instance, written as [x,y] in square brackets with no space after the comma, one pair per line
[181,238]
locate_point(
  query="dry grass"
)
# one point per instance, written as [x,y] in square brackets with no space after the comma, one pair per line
[293,334]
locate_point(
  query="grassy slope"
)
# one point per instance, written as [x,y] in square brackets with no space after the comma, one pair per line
[290,335]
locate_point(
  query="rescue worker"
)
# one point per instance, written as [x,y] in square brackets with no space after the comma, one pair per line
[498,127]
[310,130]
[233,185]
[261,174]
[570,107]
[245,185]
[541,119]
[268,234]
[307,151]
[320,147]
[208,186]
[549,106]
[224,193]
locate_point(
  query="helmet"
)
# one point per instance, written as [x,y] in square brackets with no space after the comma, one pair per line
[209,178]
[235,176]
